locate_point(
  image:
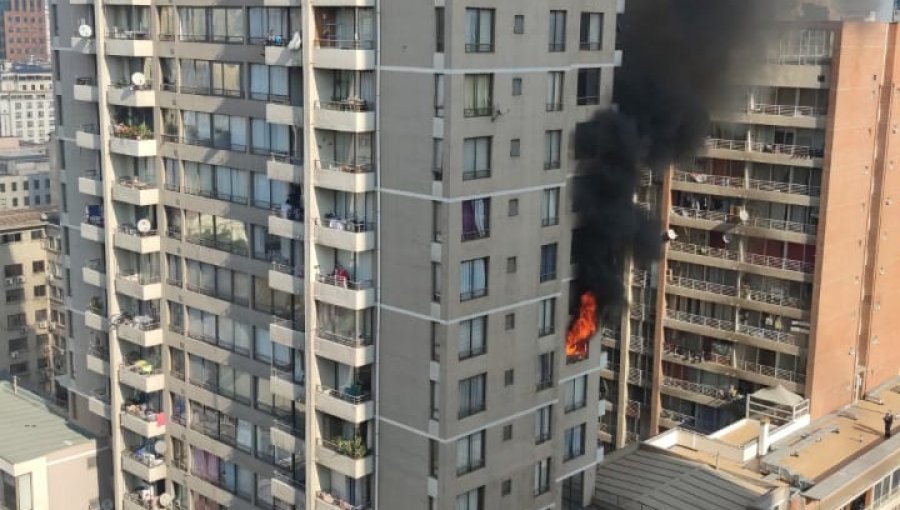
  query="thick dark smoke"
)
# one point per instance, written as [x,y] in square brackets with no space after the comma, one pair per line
[677,54]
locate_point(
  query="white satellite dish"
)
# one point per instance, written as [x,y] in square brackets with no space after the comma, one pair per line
[85,31]
[138,79]
[143,226]
[671,235]
[107,504]
[165,499]
[160,447]
[726,238]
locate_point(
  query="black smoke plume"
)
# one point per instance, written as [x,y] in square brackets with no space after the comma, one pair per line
[677,54]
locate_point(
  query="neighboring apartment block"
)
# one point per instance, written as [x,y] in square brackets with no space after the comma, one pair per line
[25,30]
[782,268]
[319,251]
[26,102]
[26,180]
[32,318]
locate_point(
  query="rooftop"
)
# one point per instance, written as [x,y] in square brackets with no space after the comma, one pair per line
[18,219]
[30,429]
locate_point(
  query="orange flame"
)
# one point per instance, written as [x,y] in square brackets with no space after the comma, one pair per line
[583,328]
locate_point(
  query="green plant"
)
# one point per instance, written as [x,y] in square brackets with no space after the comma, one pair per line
[354,448]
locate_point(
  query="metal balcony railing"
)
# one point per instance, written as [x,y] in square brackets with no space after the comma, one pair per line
[354,399]
[794,151]
[740,182]
[750,258]
[786,110]
[352,167]
[344,282]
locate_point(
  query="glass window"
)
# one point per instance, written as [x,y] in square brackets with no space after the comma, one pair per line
[546,316]
[472,500]
[542,420]
[591,31]
[550,207]
[479,30]
[479,91]
[477,158]
[548,262]
[473,279]
[588,86]
[557,30]
[472,340]
[573,442]
[552,149]
[476,215]
[542,476]
[575,394]
[470,453]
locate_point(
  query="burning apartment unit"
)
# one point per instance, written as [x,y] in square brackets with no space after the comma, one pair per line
[778,236]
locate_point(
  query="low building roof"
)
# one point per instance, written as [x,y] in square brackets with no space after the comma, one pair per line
[30,429]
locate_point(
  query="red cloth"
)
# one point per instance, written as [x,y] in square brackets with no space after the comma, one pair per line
[160,419]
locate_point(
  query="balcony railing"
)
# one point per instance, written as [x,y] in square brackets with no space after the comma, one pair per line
[700,389]
[750,258]
[350,341]
[675,416]
[786,110]
[131,131]
[346,224]
[739,182]
[88,81]
[344,281]
[636,376]
[130,230]
[343,504]
[774,372]
[289,479]
[345,44]
[345,166]
[479,111]
[347,105]
[351,394]
[729,326]
[98,265]
[212,91]
[128,34]
[795,151]
[138,277]
[354,448]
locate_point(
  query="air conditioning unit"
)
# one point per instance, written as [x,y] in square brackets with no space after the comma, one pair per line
[42,324]
[20,279]
[10,281]
[14,355]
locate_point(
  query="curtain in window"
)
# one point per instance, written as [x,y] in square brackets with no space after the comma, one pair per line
[366,28]
[259,79]
[221,134]
[238,127]
[554,88]
[278,78]
[260,135]
[280,137]
[257,23]
[367,87]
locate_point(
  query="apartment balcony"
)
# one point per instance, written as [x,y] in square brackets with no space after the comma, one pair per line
[638,377]
[142,376]
[283,435]
[97,360]
[94,273]
[94,319]
[288,489]
[147,467]
[131,95]
[90,184]
[132,191]
[772,301]
[345,234]
[88,137]
[285,168]
[751,189]
[787,269]
[145,424]
[340,455]
[343,3]
[350,351]
[804,117]
[142,330]
[737,368]
[86,45]
[349,115]
[129,43]
[350,403]
[761,152]
[704,394]
[85,89]
[282,383]
[672,419]
[98,403]
[792,231]
[348,177]
[281,55]
[280,113]
[328,501]
[282,331]
[344,54]
[286,278]
[141,286]
[128,238]
[344,292]
[134,141]
[290,227]
[92,230]
[781,341]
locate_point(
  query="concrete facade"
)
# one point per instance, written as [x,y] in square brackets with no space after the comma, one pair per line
[26,102]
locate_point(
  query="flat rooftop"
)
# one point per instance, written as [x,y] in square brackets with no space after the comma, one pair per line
[30,429]
[17,219]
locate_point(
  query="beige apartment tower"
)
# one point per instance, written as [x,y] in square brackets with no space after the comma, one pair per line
[319,250]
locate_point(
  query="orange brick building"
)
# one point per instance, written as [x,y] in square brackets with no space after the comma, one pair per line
[25,27]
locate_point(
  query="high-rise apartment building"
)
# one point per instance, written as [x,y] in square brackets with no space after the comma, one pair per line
[781,269]
[25,30]
[26,102]
[319,250]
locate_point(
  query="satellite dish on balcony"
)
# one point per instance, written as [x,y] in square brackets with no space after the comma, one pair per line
[85,31]
[165,499]
[143,226]
[160,447]
[107,504]
[138,79]
[726,238]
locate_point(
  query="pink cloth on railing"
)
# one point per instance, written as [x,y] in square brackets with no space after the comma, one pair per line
[160,419]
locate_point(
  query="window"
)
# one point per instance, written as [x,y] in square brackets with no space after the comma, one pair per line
[479,100]
[557,30]
[573,442]
[437,158]
[434,400]
[433,449]
[542,419]
[472,500]
[506,488]
[479,30]
[12,270]
[552,147]
[439,29]
[472,337]
[509,321]
[555,91]
[517,86]
[471,395]
[511,265]
[436,282]
[548,262]
[588,86]
[477,158]
[546,316]
[513,207]
[509,377]
[515,148]
[545,371]
[439,95]
[591,38]
[550,207]
[507,432]
[470,453]
[15,295]
[473,276]
[476,219]
[575,397]
[40,290]
[542,477]
[518,24]
[38,266]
